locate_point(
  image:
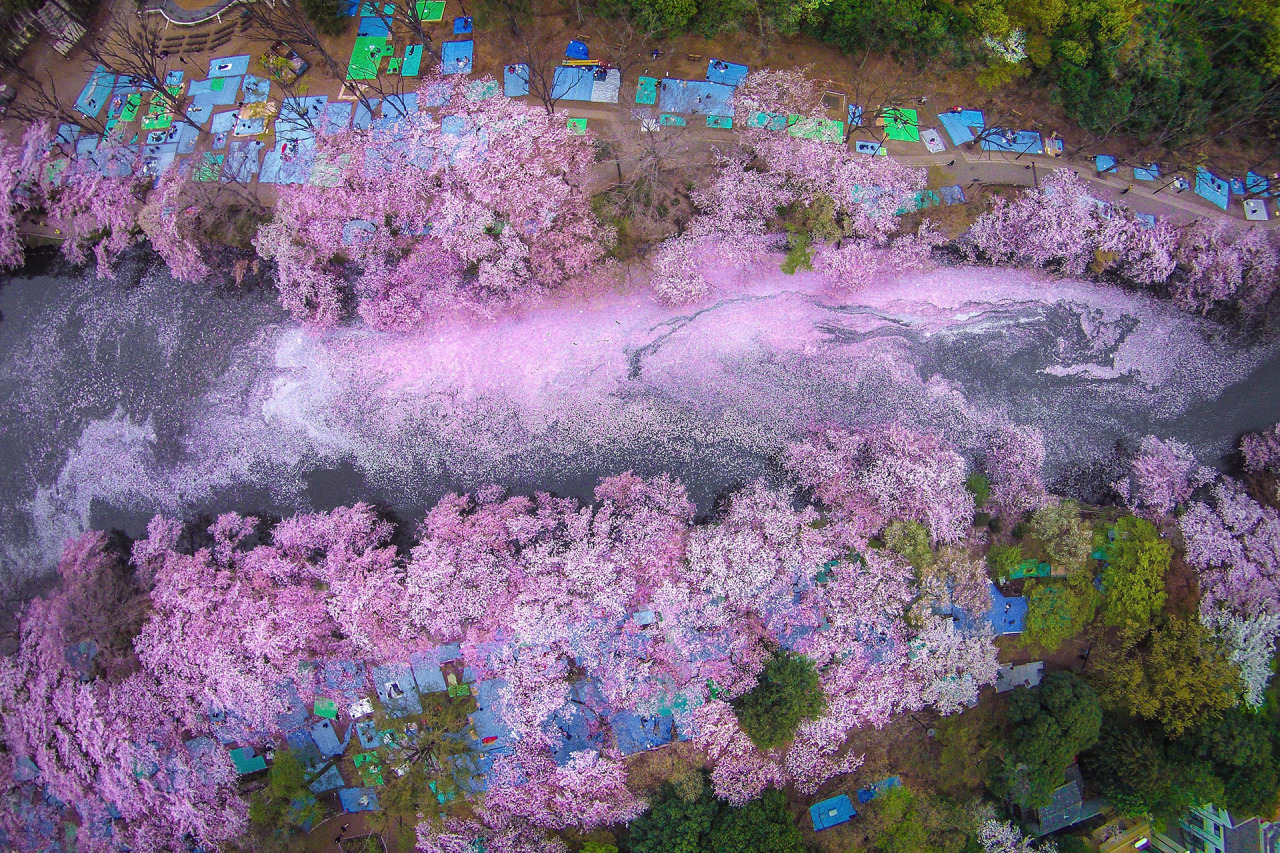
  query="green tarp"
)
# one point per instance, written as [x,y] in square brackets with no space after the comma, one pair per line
[1031,569]
[430,11]
[210,168]
[818,129]
[366,57]
[326,708]
[244,759]
[672,120]
[900,124]
[131,106]
[723,122]
[412,61]
[768,121]
[647,91]
[578,126]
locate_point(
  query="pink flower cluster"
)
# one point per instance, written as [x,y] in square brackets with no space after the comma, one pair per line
[1234,543]
[479,207]
[543,594]
[1059,225]
[1164,476]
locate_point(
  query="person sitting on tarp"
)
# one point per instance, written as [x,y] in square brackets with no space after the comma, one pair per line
[601,73]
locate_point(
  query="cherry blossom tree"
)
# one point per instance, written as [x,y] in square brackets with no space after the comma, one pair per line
[887,473]
[1252,643]
[1013,458]
[21,173]
[1163,477]
[1261,450]
[480,208]
[1234,543]
[109,749]
[1003,837]
[496,833]
[1059,225]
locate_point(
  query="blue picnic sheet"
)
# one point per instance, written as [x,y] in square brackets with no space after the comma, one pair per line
[456,56]
[337,117]
[1020,141]
[1106,164]
[1149,172]
[515,80]
[1212,189]
[960,125]
[229,66]
[728,73]
[695,96]
[95,93]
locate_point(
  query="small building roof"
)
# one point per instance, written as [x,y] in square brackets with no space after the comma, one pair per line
[832,812]
[1067,806]
[1023,675]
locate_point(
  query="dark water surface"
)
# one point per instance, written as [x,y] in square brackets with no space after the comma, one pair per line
[118,402]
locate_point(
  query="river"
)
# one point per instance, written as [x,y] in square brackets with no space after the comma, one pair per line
[119,401]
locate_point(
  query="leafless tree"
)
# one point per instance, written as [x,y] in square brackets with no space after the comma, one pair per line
[876,93]
[533,45]
[38,100]
[131,50]
[654,168]
[620,44]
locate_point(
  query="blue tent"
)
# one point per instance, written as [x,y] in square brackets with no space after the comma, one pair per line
[635,733]
[832,812]
[576,50]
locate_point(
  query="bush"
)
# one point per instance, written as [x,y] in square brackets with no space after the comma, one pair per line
[979,487]
[1003,559]
[787,693]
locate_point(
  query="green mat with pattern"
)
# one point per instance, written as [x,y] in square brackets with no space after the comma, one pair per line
[647,91]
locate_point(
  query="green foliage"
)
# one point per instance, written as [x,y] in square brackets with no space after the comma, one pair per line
[694,821]
[1178,676]
[979,487]
[763,825]
[903,820]
[799,253]
[1057,610]
[598,847]
[1003,559]
[1229,761]
[910,540]
[1134,577]
[326,15]
[1066,540]
[787,693]
[1054,722]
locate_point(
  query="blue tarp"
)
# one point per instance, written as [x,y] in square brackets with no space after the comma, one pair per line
[952,195]
[229,66]
[461,26]
[1151,172]
[241,164]
[396,689]
[515,80]
[373,28]
[576,50]
[95,93]
[223,122]
[173,78]
[960,125]
[695,96]
[427,674]
[1148,220]
[337,117]
[863,147]
[399,106]
[367,732]
[635,733]
[1007,615]
[1020,141]
[363,117]
[326,738]
[832,812]
[869,793]
[456,56]
[855,115]
[728,73]
[1105,164]
[1255,183]
[299,117]
[1212,188]
[358,800]
[256,89]
[573,83]
[67,133]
